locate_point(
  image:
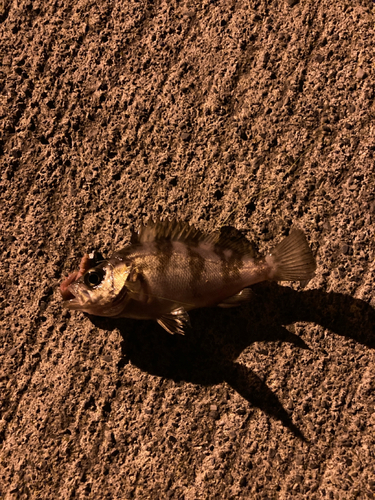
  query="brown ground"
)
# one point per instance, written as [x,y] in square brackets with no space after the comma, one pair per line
[257,114]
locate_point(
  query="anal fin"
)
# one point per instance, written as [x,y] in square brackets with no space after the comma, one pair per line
[241,297]
[176,321]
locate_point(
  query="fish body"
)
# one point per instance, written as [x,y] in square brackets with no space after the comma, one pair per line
[170,268]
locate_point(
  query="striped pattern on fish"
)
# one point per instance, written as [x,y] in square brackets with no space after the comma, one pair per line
[171,267]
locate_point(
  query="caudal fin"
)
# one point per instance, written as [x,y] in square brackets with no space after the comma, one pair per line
[292,259]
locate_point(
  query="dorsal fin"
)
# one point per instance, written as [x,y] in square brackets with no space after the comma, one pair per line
[232,238]
[171,230]
[226,238]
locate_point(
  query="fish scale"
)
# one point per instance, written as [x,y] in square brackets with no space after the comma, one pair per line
[170,267]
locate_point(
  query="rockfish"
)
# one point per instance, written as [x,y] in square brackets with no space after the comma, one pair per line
[171,267]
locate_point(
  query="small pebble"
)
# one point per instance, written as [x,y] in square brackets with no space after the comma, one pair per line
[344,248]
[361,73]
[185,136]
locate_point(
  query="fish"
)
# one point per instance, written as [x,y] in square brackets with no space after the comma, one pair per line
[171,267]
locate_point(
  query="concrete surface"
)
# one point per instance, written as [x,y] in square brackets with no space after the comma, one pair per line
[255,114]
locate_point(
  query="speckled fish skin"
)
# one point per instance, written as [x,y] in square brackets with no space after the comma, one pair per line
[170,268]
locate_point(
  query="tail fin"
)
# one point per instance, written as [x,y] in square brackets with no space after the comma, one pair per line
[292,259]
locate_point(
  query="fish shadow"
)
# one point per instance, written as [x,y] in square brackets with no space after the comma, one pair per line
[207,354]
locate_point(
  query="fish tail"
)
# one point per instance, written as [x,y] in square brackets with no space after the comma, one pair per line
[292,259]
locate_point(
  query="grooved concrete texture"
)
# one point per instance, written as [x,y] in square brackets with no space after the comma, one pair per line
[258,115]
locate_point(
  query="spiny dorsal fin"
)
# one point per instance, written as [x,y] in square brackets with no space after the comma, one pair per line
[226,238]
[170,230]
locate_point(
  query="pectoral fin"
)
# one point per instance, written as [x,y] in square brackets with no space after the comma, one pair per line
[241,297]
[175,322]
[134,283]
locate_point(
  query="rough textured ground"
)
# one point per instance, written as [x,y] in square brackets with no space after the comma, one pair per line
[256,114]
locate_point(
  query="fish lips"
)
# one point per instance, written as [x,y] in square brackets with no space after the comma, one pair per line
[79,297]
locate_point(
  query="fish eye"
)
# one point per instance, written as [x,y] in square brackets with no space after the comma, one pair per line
[94,278]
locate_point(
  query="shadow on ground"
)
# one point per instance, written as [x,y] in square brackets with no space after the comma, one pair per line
[207,354]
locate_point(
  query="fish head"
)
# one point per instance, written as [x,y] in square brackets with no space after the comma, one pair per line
[100,291]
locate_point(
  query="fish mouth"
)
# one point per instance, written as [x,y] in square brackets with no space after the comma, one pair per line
[72,304]
[74,297]
[65,287]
